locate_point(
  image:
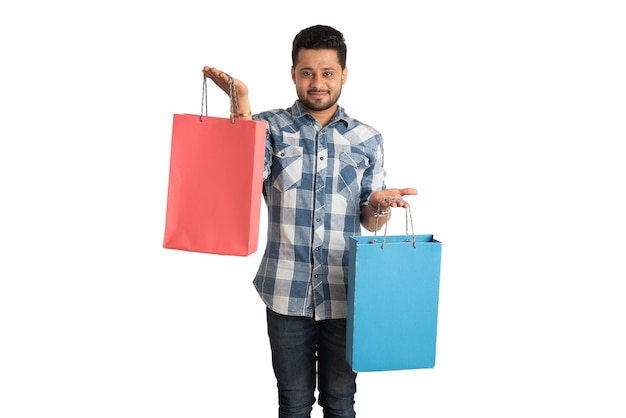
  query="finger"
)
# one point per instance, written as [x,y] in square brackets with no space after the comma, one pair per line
[209,71]
[212,72]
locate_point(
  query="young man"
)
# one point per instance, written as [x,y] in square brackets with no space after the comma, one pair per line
[323,180]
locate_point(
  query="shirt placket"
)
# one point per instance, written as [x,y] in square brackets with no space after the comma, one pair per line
[319,270]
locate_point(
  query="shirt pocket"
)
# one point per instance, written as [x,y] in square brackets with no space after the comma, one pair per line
[287,167]
[351,170]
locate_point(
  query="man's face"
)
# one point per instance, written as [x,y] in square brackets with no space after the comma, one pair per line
[318,78]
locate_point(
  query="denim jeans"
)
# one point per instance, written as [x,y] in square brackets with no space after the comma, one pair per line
[302,350]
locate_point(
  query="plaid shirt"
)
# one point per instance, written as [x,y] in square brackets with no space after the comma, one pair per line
[316,180]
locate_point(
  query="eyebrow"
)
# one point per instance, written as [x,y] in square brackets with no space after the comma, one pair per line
[323,69]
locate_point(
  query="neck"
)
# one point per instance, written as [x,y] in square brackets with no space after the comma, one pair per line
[323,116]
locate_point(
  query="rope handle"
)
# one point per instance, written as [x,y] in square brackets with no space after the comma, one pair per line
[232,93]
[409,219]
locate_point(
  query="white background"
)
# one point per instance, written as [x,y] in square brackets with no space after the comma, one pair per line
[508,116]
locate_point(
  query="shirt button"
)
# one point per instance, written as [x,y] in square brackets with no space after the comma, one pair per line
[317,248]
[321,158]
[318,220]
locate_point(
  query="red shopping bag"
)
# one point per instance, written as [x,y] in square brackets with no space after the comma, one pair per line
[215,184]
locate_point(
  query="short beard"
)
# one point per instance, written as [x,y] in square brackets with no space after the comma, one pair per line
[319,107]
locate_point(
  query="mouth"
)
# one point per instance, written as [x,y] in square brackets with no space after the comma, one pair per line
[318,94]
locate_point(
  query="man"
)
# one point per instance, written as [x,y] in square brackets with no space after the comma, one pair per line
[323,180]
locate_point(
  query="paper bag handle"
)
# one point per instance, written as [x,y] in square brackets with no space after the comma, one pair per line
[409,219]
[232,93]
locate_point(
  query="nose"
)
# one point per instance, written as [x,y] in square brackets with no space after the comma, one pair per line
[317,81]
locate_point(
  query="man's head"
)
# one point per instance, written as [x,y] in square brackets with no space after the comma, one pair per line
[320,37]
[319,68]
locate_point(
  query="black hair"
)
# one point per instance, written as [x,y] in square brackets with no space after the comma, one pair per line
[320,37]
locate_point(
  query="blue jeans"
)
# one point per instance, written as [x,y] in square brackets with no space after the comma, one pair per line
[301,347]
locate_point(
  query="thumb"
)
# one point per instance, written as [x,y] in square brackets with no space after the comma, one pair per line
[408,191]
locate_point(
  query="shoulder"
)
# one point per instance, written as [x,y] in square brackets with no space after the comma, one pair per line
[291,119]
[356,128]
[291,113]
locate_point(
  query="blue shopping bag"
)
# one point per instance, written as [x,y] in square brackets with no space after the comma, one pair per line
[393,297]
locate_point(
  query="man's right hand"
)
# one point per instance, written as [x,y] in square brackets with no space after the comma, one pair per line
[221,79]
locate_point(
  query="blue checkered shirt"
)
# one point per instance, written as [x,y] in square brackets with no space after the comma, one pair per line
[316,180]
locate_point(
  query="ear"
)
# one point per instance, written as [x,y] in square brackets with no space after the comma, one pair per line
[293,74]
[344,75]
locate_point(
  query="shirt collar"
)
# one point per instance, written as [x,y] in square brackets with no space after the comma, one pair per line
[298,111]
